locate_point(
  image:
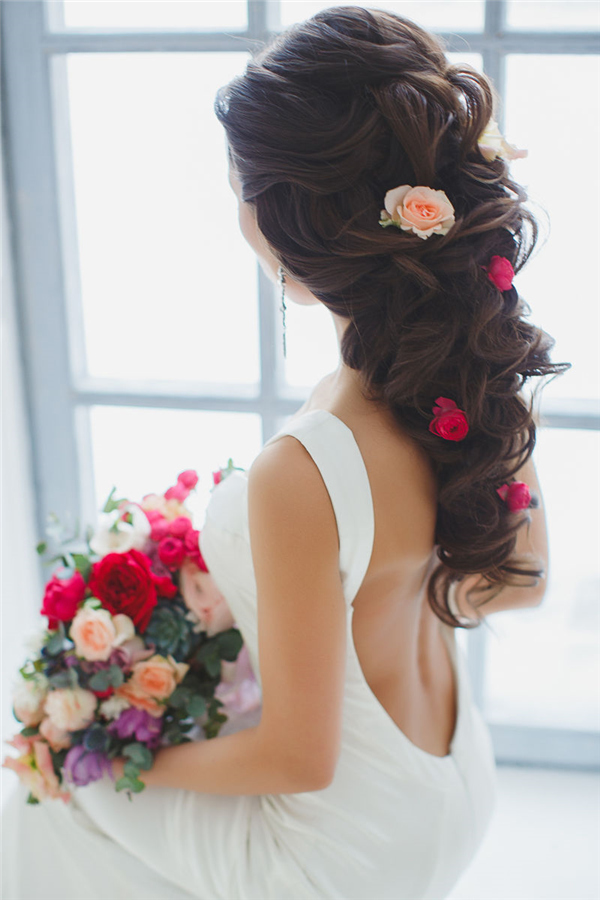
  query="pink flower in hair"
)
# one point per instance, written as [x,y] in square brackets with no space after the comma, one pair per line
[449,422]
[516,495]
[500,272]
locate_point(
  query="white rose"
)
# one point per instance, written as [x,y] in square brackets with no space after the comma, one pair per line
[126,537]
[113,707]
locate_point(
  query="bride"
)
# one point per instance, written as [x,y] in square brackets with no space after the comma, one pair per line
[398,503]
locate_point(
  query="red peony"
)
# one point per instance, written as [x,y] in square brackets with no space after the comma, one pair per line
[449,422]
[171,552]
[501,272]
[125,583]
[62,598]
[517,495]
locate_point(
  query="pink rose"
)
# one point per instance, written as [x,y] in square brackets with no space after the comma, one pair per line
[201,595]
[70,709]
[516,495]
[500,272]
[62,598]
[419,209]
[171,552]
[449,422]
[191,543]
[189,478]
[177,492]
[217,477]
[179,527]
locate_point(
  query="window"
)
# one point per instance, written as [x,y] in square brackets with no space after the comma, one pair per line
[149,334]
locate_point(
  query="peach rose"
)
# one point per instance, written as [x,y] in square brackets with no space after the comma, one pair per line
[92,631]
[202,596]
[34,768]
[58,738]
[419,209]
[70,708]
[29,697]
[153,680]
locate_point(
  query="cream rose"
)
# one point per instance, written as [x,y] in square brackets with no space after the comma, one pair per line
[70,709]
[492,144]
[419,209]
[58,738]
[29,696]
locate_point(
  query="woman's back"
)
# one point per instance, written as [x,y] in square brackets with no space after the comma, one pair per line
[397,636]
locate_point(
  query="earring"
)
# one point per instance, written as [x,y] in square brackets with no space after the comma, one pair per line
[281,279]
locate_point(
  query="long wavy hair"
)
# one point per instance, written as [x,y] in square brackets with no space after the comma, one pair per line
[325,120]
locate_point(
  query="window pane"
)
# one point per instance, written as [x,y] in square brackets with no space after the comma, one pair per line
[171,15]
[439,15]
[142,451]
[559,15]
[169,285]
[311,341]
[561,280]
[543,664]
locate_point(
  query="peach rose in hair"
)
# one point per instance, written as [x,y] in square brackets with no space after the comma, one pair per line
[419,209]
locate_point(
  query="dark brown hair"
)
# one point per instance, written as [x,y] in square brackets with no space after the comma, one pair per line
[331,115]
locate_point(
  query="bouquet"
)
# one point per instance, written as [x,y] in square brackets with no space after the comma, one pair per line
[140,648]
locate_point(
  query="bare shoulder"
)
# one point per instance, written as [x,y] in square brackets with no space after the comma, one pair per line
[285,483]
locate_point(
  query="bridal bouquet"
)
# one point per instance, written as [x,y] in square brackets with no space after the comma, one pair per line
[140,647]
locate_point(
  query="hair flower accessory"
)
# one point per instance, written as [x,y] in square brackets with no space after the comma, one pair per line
[419,209]
[501,272]
[449,422]
[516,495]
[492,144]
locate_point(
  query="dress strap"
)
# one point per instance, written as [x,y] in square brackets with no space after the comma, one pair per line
[332,445]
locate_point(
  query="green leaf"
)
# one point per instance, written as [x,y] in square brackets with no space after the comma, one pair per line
[213,666]
[128,783]
[29,731]
[55,643]
[139,754]
[230,643]
[93,602]
[115,676]
[82,564]
[99,681]
[179,698]
[31,798]
[196,706]
[131,769]
[42,547]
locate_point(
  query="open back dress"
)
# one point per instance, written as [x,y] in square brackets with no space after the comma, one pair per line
[396,822]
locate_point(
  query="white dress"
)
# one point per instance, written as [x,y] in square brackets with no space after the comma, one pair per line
[396,823]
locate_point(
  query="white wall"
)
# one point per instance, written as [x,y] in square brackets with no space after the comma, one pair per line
[20,585]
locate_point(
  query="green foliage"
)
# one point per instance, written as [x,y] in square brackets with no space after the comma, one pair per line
[64,678]
[96,738]
[111,504]
[139,754]
[54,643]
[31,799]
[170,631]
[230,643]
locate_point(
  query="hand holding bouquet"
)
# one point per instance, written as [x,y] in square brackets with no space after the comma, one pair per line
[140,646]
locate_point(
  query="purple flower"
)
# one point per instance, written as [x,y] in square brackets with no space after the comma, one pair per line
[137,723]
[82,766]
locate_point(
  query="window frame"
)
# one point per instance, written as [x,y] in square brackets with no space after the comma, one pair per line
[59,393]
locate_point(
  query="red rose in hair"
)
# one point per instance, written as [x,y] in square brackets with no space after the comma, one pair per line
[517,495]
[125,584]
[449,422]
[62,598]
[501,272]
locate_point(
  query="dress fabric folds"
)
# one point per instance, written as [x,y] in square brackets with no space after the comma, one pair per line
[396,823]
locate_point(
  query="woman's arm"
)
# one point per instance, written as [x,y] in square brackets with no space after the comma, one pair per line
[302,644]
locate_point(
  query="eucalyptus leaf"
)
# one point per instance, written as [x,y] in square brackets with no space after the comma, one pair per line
[99,681]
[115,676]
[196,706]
[139,754]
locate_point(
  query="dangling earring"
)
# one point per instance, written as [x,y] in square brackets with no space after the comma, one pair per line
[281,279]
